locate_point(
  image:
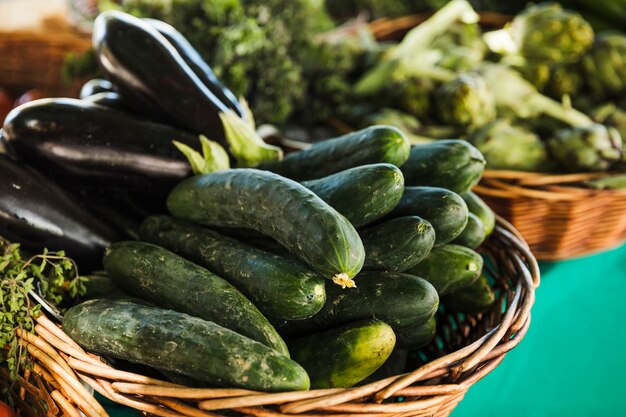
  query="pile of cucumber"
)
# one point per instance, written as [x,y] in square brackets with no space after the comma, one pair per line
[307,272]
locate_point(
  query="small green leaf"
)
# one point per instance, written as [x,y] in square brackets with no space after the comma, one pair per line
[247,113]
[215,156]
[245,144]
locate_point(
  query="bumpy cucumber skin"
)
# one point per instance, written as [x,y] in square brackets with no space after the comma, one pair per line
[362,194]
[443,209]
[277,286]
[101,286]
[416,337]
[157,275]
[182,344]
[342,357]
[394,365]
[475,298]
[451,163]
[474,233]
[476,205]
[398,299]
[277,207]
[397,244]
[375,144]
[450,268]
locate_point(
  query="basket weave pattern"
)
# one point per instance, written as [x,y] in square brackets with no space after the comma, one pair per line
[466,349]
[558,219]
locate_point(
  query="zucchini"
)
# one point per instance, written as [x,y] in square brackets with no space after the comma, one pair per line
[277,207]
[344,356]
[474,233]
[277,286]
[451,163]
[362,194]
[169,281]
[397,244]
[175,342]
[400,300]
[375,144]
[443,209]
[416,337]
[150,73]
[450,268]
[476,205]
[475,298]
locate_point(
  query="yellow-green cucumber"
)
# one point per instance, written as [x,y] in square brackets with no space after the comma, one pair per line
[277,285]
[278,207]
[178,343]
[344,356]
[157,275]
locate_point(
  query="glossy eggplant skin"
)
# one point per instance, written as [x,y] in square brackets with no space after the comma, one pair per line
[87,145]
[38,214]
[197,64]
[95,86]
[142,64]
[109,99]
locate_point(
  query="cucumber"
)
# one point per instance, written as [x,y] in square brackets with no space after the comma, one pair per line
[277,286]
[375,144]
[279,208]
[397,244]
[474,233]
[451,163]
[344,356]
[477,206]
[169,281]
[394,365]
[101,286]
[476,298]
[416,337]
[175,342]
[400,300]
[362,194]
[443,209]
[450,268]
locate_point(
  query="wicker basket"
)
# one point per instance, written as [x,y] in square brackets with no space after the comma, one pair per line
[558,219]
[465,350]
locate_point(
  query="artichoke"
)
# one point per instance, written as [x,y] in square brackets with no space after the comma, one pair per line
[590,148]
[546,32]
[412,95]
[510,147]
[605,66]
[611,115]
[465,101]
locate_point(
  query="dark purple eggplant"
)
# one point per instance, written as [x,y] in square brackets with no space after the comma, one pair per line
[95,86]
[108,99]
[87,145]
[197,64]
[38,214]
[142,64]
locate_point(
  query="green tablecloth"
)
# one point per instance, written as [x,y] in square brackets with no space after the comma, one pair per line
[572,360]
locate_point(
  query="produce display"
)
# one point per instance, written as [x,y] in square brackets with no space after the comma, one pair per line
[209,256]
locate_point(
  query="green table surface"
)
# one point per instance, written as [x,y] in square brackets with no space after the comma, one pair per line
[573,358]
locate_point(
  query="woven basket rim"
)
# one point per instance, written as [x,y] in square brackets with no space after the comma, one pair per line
[63,364]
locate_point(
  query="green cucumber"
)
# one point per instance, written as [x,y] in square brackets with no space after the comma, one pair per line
[101,286]
[451,163]
[277,286]
[474,233]
[362,194]
[443,209]
[344,356]
[176,342]
[400,300]
[416,337]
[476,298]
[279,208]
[394,365]
[157,275]
[397,244]
[450,268]
[477,206]
[375,144]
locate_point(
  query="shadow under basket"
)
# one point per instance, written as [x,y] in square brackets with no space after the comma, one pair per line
[465,349]
[558,218]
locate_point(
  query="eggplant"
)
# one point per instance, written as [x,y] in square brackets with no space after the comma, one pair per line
[108,99]
[87,145]
[38,214]
[95,86]
[142,64]
[197,64]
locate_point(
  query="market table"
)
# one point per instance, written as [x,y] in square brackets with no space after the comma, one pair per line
[572,359]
